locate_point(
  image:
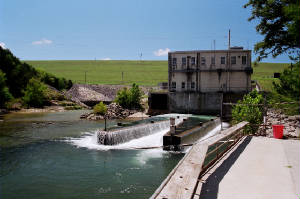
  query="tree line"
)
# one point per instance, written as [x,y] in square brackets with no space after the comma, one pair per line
[19,80]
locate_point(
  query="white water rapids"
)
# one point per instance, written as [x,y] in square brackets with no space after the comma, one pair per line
[89,139]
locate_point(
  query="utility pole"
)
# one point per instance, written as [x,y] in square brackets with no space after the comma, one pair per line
[229,40]
[85,76]
[214,52]
[105,129]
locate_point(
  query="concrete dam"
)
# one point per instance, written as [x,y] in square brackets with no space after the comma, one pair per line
[178,130]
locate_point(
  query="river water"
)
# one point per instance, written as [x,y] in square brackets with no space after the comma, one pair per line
[55,155]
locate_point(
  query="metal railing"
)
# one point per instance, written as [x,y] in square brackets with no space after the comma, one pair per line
[217,149]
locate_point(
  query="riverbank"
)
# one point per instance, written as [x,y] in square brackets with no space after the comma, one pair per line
[115,111]
[55,107]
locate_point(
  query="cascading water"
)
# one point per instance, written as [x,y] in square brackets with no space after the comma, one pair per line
[123,135]
[89,140]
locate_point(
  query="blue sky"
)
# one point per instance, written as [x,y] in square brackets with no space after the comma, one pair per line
[122,29]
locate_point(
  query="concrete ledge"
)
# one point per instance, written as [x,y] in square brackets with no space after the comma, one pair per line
[190,135]
[182,180]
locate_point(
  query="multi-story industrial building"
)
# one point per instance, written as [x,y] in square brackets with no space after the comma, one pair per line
[200,80]
[210,71]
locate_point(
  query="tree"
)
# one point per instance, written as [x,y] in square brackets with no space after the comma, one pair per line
[279,24]
[135,96]
[289,84]
[34,94]
[14,70]
[4,92]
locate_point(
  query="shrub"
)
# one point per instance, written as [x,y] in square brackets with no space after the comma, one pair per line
[289,84]
[100,109]
[247,110]
[52,94]
[123,98]
[34,94]
[131,98]
[14,104]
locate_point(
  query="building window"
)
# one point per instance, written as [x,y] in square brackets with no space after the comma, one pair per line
[222,60]
[193,61]
[213,61]
[173,86]
[233,60]
[183,61]
[202,60]
[244,60]
[182,84]
[193,85]
[174,62]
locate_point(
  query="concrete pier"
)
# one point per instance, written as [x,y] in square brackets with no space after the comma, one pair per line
[188,134]
[259,167]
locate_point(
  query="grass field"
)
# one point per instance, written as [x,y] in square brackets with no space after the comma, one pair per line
[264,72]
[147,73]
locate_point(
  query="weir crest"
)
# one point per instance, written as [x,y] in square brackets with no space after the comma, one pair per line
[126,134]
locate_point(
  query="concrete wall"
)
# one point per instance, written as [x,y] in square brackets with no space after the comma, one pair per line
[197,103]
[203,103]
[193,102]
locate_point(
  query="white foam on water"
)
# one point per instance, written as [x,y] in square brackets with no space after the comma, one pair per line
[89,140]
[211,133]
[146,155]
[143,156]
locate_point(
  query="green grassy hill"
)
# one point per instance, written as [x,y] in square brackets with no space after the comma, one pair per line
[264,72]
[147,73]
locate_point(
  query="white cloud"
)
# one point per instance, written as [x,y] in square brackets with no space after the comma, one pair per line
[106,58]
[42,42]
[161,52]
[2,45]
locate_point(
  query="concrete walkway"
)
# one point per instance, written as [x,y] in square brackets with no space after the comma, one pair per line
[259,167]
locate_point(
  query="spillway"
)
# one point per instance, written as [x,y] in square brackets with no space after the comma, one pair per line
[119,136]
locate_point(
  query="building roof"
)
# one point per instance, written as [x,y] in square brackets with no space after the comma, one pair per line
[234,49]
